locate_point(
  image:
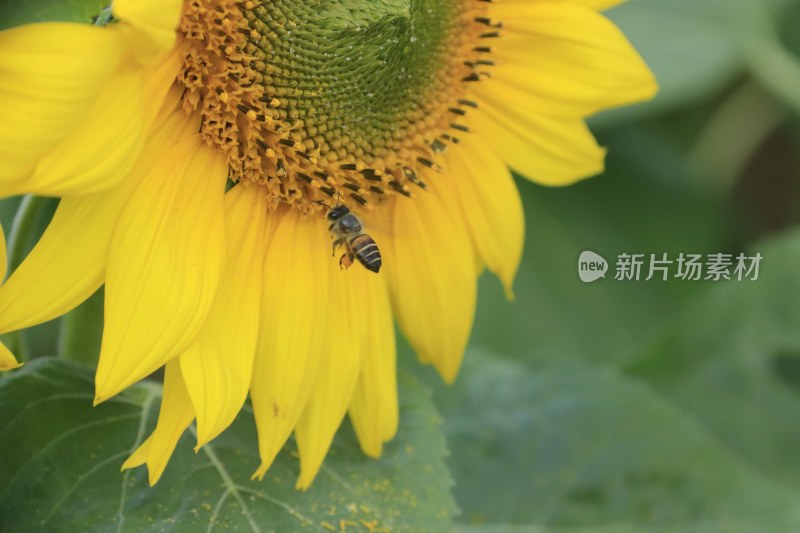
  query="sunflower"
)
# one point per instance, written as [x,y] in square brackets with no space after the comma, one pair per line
[202,148]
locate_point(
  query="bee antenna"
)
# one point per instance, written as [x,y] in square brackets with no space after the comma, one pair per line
[320,202]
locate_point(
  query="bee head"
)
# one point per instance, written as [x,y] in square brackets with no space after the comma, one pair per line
[338,212]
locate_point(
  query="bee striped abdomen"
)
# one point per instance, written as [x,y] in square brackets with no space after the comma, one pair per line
[367,252]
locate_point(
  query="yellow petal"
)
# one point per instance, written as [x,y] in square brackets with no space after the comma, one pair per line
[598,5]
[432,274]
[565,59]
[174,417]
[340,366]
[150,26]
[50,76]
[103,148]
[162,95]
[69,262]
[491,205]
[164,265]
[139,456]
[295,323]
[217,368]
[3,255]
[7,359]
[545,149]
[373,409]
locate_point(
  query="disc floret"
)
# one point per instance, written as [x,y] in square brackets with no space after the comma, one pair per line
[351,99]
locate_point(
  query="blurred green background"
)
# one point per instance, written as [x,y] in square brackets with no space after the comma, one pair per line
[651,405]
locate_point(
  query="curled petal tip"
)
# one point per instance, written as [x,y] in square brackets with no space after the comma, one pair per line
[6,368]
[373,452]
[128,464]
[98,399]
[509,292]
[7,359]
[449,373]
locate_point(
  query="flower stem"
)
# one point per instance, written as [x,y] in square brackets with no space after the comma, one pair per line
[81,331]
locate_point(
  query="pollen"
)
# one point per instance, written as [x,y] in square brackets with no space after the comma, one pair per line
[346,99]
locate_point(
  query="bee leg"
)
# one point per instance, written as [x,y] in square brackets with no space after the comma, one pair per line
[346,260]
[336,244]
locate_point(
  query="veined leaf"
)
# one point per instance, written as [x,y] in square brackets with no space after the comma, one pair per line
[575,447]
[61,462]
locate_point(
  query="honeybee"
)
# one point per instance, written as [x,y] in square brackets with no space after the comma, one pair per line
[346,230]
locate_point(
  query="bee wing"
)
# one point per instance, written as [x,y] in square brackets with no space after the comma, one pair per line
[378,223]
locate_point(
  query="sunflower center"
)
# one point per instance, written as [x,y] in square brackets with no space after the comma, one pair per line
[347,99]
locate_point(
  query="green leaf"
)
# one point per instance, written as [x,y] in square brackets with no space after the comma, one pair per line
[15,13]
[737,373]
[742,527]
[574,445]
[61,461]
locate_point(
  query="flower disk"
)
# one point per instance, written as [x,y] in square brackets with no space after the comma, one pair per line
[342,98]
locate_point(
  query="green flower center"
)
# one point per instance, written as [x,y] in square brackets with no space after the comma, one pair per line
[340,98]
[358,74]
